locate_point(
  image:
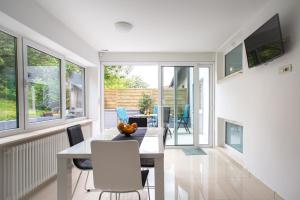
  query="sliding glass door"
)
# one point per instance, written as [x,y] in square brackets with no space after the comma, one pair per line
[178,97]
[187,92]
[204,87]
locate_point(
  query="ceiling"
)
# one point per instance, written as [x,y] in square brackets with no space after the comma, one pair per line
[159,25]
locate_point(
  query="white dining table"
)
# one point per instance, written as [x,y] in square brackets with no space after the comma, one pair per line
[151,147]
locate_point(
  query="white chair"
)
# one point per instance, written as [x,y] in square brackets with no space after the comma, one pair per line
[116,167]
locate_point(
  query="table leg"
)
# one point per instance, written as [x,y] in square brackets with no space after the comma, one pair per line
[64,179]
[159,178]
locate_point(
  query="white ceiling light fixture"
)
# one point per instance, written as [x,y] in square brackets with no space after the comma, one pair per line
[123,26]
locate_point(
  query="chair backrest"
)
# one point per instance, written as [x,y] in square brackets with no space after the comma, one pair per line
[141,121]
[186,112]
[75,134]
[165,136]
[116,165]
[155,109]
[122,115]
[166,115]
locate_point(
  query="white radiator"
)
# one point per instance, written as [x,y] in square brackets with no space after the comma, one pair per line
[27,165]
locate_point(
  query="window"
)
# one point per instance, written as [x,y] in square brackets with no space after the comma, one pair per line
[234,136]
[43,86]
[31,92]
[234,60]
[8,82]
[74,91]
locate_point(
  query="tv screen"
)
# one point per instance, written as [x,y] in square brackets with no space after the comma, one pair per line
[265,43]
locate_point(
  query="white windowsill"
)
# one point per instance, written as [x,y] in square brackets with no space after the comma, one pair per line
[20,138]
[230,76]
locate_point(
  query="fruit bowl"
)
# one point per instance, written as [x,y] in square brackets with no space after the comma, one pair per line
[127,129]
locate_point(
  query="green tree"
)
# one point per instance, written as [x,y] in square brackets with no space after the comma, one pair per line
[118,77]
[8,64]
[145,103]
[71,69]
[44,73]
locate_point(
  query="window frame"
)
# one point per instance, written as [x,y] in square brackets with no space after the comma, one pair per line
[241,69]
[19,85]
[49,123]
[84,93]
[237,152]
[23,120]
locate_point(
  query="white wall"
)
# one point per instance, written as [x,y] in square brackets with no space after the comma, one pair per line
[28,19]
[268,104]
[93,96]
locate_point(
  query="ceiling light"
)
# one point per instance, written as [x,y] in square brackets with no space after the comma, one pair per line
[122,26]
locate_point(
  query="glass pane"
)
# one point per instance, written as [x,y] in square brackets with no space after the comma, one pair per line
[168,103]
[74,91]
[8,82]
[234,60]
[43,86]
[130,95]
[177,95]
[234,136]
[184,105]
[204,105]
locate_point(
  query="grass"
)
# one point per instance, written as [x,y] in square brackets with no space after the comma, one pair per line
[36,113]
[7,110]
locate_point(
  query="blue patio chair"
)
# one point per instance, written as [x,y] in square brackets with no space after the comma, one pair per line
[122,115]
[185,118]
[153,120]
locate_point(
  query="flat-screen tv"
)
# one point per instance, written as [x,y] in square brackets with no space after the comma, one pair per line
[265,43]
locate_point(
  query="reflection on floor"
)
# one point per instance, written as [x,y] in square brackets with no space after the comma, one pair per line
[183,138]
[202,177]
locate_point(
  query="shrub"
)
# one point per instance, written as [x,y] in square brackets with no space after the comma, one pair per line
[145,103]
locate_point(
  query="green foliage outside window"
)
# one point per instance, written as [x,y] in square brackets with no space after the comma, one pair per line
[8,63]
[70,69]
[43,94]
[74,90]
[118,77]
[145,103]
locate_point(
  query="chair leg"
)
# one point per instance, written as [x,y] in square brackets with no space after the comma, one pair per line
[139,195]
[186,129]
[179,123]
[169,131]
[148,188]
[87,177]
[100,195]
[76,184]
[186,125]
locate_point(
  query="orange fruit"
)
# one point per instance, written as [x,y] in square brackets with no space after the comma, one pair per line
[134,125]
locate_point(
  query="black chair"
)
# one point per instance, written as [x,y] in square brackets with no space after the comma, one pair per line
[149,163]
[141,121]
[75,136]
[184,119]
[166,120]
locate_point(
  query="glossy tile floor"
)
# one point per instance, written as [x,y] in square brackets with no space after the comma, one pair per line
[202,177]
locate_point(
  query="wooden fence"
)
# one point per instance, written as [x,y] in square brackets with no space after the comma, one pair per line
[129,98]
